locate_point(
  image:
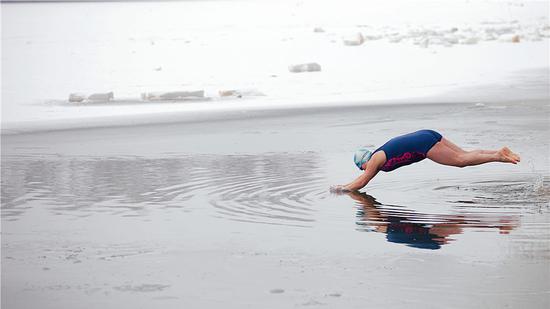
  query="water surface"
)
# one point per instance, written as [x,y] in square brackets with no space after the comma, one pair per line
[153,210]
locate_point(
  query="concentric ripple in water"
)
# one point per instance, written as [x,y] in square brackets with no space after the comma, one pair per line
[270,188]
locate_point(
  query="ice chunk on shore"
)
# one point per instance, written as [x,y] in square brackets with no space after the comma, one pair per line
[395,38]
[172,95]
[77,97]
[448,36]
[512,38]
[305,67]
[469,41]
[230,93]
[424,42]
[94,97]
[105,97]
[500,29]
[354,40]
[239,93]
[372,37]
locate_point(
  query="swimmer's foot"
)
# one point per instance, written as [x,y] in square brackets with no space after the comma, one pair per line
[506,155]
[509,153]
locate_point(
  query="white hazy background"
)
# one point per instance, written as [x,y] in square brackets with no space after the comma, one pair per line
[411,50]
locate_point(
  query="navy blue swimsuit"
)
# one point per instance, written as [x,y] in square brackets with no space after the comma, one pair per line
[407,149]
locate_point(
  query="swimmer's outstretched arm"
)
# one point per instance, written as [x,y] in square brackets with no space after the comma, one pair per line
[372,168]
[360,181]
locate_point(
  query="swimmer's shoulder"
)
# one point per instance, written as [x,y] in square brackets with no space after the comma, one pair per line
[377,160]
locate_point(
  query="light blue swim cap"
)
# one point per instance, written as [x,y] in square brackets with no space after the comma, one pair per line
[361,156]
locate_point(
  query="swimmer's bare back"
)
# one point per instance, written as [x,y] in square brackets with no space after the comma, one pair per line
[416,146]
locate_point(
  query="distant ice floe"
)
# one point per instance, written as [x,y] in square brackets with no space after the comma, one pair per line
[240,93]
[95,97]
[354,40]
[166,96]
[77,97]
[513,38]
[304,67]
[103,97]
[173,95]
[423,36]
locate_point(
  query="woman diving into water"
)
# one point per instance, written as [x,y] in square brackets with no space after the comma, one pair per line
[414,147]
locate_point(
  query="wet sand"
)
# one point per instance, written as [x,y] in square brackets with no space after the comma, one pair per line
[237,213]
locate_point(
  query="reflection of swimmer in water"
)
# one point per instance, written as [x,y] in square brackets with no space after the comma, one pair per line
[399,228]
[413,147]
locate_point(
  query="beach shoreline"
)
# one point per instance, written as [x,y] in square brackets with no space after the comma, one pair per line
[532,86]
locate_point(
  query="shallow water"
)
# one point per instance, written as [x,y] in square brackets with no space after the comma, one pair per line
[256,191]
[271,188]
[480,206]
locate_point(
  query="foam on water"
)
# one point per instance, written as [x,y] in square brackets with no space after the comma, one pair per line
[525,190]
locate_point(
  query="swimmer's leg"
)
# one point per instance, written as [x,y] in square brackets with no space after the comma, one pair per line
[484,151]
[460,150]
[451,145]
[443,154]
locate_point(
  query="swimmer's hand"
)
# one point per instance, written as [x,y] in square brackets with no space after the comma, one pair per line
[339,189]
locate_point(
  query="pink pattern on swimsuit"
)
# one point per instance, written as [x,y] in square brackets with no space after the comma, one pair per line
[405,159]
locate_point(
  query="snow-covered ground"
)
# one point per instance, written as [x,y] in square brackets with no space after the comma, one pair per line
[399,50]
